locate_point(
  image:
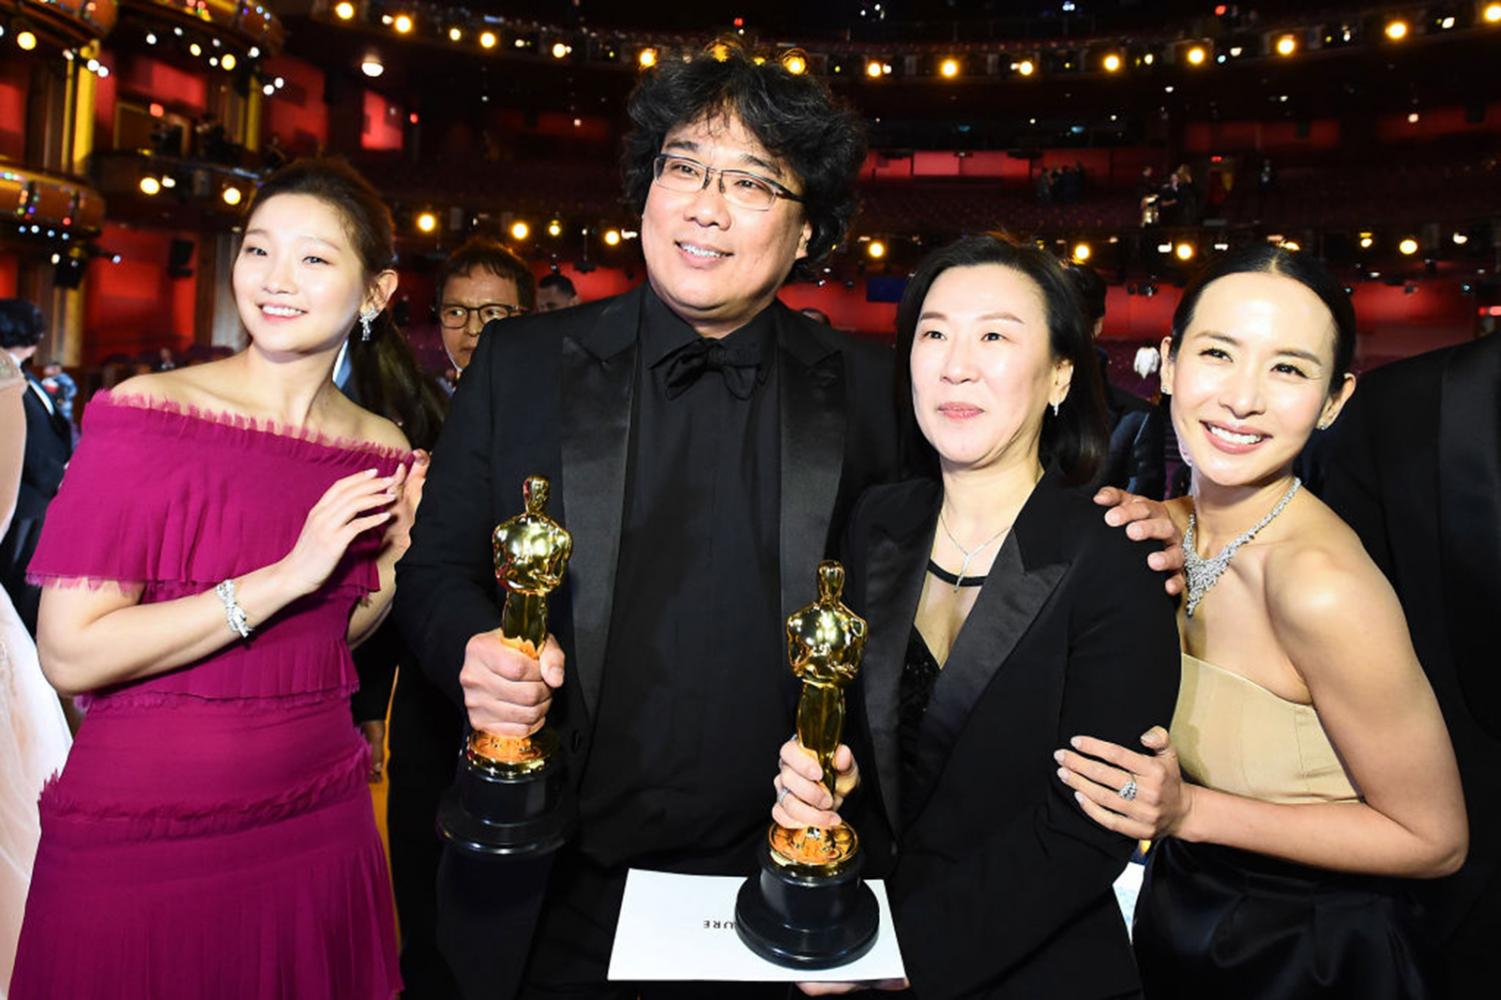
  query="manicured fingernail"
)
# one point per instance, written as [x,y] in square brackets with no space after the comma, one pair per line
[1063,775]
[1079,797]
[1058,756]
[1074,742]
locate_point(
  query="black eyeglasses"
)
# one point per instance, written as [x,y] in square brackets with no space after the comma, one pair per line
[739,187]
[455,316]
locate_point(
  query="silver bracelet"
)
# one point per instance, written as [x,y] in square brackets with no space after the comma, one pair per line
[233,613]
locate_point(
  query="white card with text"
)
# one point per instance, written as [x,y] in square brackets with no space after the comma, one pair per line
[682,927]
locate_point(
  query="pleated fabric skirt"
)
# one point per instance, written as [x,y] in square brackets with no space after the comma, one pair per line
[1215,922]
[210,852]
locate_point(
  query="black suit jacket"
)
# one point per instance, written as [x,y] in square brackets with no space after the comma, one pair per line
[1135,460]
[552,394]
[49,446]
[1001,886]
[1414,466]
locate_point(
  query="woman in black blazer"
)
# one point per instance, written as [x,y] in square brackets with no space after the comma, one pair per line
[1005,616]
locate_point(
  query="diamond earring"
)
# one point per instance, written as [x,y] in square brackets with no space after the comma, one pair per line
[1055,409]
[365,319]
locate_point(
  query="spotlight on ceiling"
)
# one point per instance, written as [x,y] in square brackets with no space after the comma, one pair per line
[372,66]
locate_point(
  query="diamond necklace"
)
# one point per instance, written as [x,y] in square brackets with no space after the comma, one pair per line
[1204,573]
[968,553]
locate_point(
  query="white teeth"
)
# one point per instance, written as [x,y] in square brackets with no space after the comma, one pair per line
[694,251]
[280,311]
[1233,437]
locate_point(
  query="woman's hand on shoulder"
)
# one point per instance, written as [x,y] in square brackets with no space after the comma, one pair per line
[802,798]
[1098,771]
[1143,518]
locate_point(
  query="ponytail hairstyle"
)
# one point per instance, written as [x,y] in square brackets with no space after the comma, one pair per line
[386,379]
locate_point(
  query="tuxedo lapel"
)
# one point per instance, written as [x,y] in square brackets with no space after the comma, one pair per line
[1025,572]
[598,373]
[897,565]
[1469,446]
[810,377]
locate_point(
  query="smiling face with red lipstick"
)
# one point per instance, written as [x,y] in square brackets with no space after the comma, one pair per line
[1252,375]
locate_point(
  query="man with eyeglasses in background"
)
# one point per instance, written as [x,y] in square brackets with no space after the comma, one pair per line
[480,282]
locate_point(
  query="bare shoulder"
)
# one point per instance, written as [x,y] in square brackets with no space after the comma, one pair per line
[356,423]
[184,386]
[1319,581]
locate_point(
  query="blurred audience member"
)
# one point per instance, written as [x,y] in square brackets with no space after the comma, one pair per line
[49,445]
[555,291]
[482,281]
[1136,426]
[61,387]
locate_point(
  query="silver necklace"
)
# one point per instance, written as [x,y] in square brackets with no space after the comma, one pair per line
[968,553]
[1204,573]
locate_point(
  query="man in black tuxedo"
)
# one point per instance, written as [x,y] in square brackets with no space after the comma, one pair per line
[1414,466]
[704,444]
[49,445]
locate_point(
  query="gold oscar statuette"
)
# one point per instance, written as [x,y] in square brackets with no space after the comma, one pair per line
[825,641]
[510,796]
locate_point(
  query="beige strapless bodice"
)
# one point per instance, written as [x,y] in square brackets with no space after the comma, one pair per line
[1235,736]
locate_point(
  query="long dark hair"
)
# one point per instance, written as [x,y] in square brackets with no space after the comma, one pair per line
[385,373]
[1075,441]
[1263,258]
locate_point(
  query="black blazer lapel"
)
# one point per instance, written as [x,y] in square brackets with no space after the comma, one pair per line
[896,566]
[1469,474]
[1025,572]
[810,377]
[598,373]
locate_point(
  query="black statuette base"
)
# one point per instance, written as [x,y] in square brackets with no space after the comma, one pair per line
[806,923]
[494,816]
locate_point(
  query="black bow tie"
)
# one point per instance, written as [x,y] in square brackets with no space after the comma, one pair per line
[740,366]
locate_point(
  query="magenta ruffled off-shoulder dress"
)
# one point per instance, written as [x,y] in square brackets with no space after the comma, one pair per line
[212,833]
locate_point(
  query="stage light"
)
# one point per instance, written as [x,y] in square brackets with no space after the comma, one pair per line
[1367,240]
[612,237]
[1082,252]
[455,34]
[520,230]
[1184,251]
[427,222]
[150,38]
[255,52]
[402,24]
[873,69]
[1492,13]
[1396,29]
[1292,246]
[344,11]
[560,50]
[795,63]
[1112,63]
[1287,45]
[1149,58]
[720,51]
[150,186]
[554,228]
[232,195]
[196,50]
[213,61]
[1026,67]
[1460,239]
[1197,55]
[1408,246]
[1446,23]
[168,181]
[875,249]
[949,68]
[92,65]
[1413,117]
[268,90]
[647,59]
[155,109]
[487,40]
[372,66]
[228,62]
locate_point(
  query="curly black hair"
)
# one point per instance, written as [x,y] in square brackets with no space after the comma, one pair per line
[793,115]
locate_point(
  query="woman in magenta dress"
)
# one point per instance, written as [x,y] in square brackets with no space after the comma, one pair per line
[223,533]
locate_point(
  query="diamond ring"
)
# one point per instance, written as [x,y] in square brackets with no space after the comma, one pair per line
[1128,790]
[783,794]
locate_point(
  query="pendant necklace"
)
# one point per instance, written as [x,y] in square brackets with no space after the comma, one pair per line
[968,553]
[1203,573]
